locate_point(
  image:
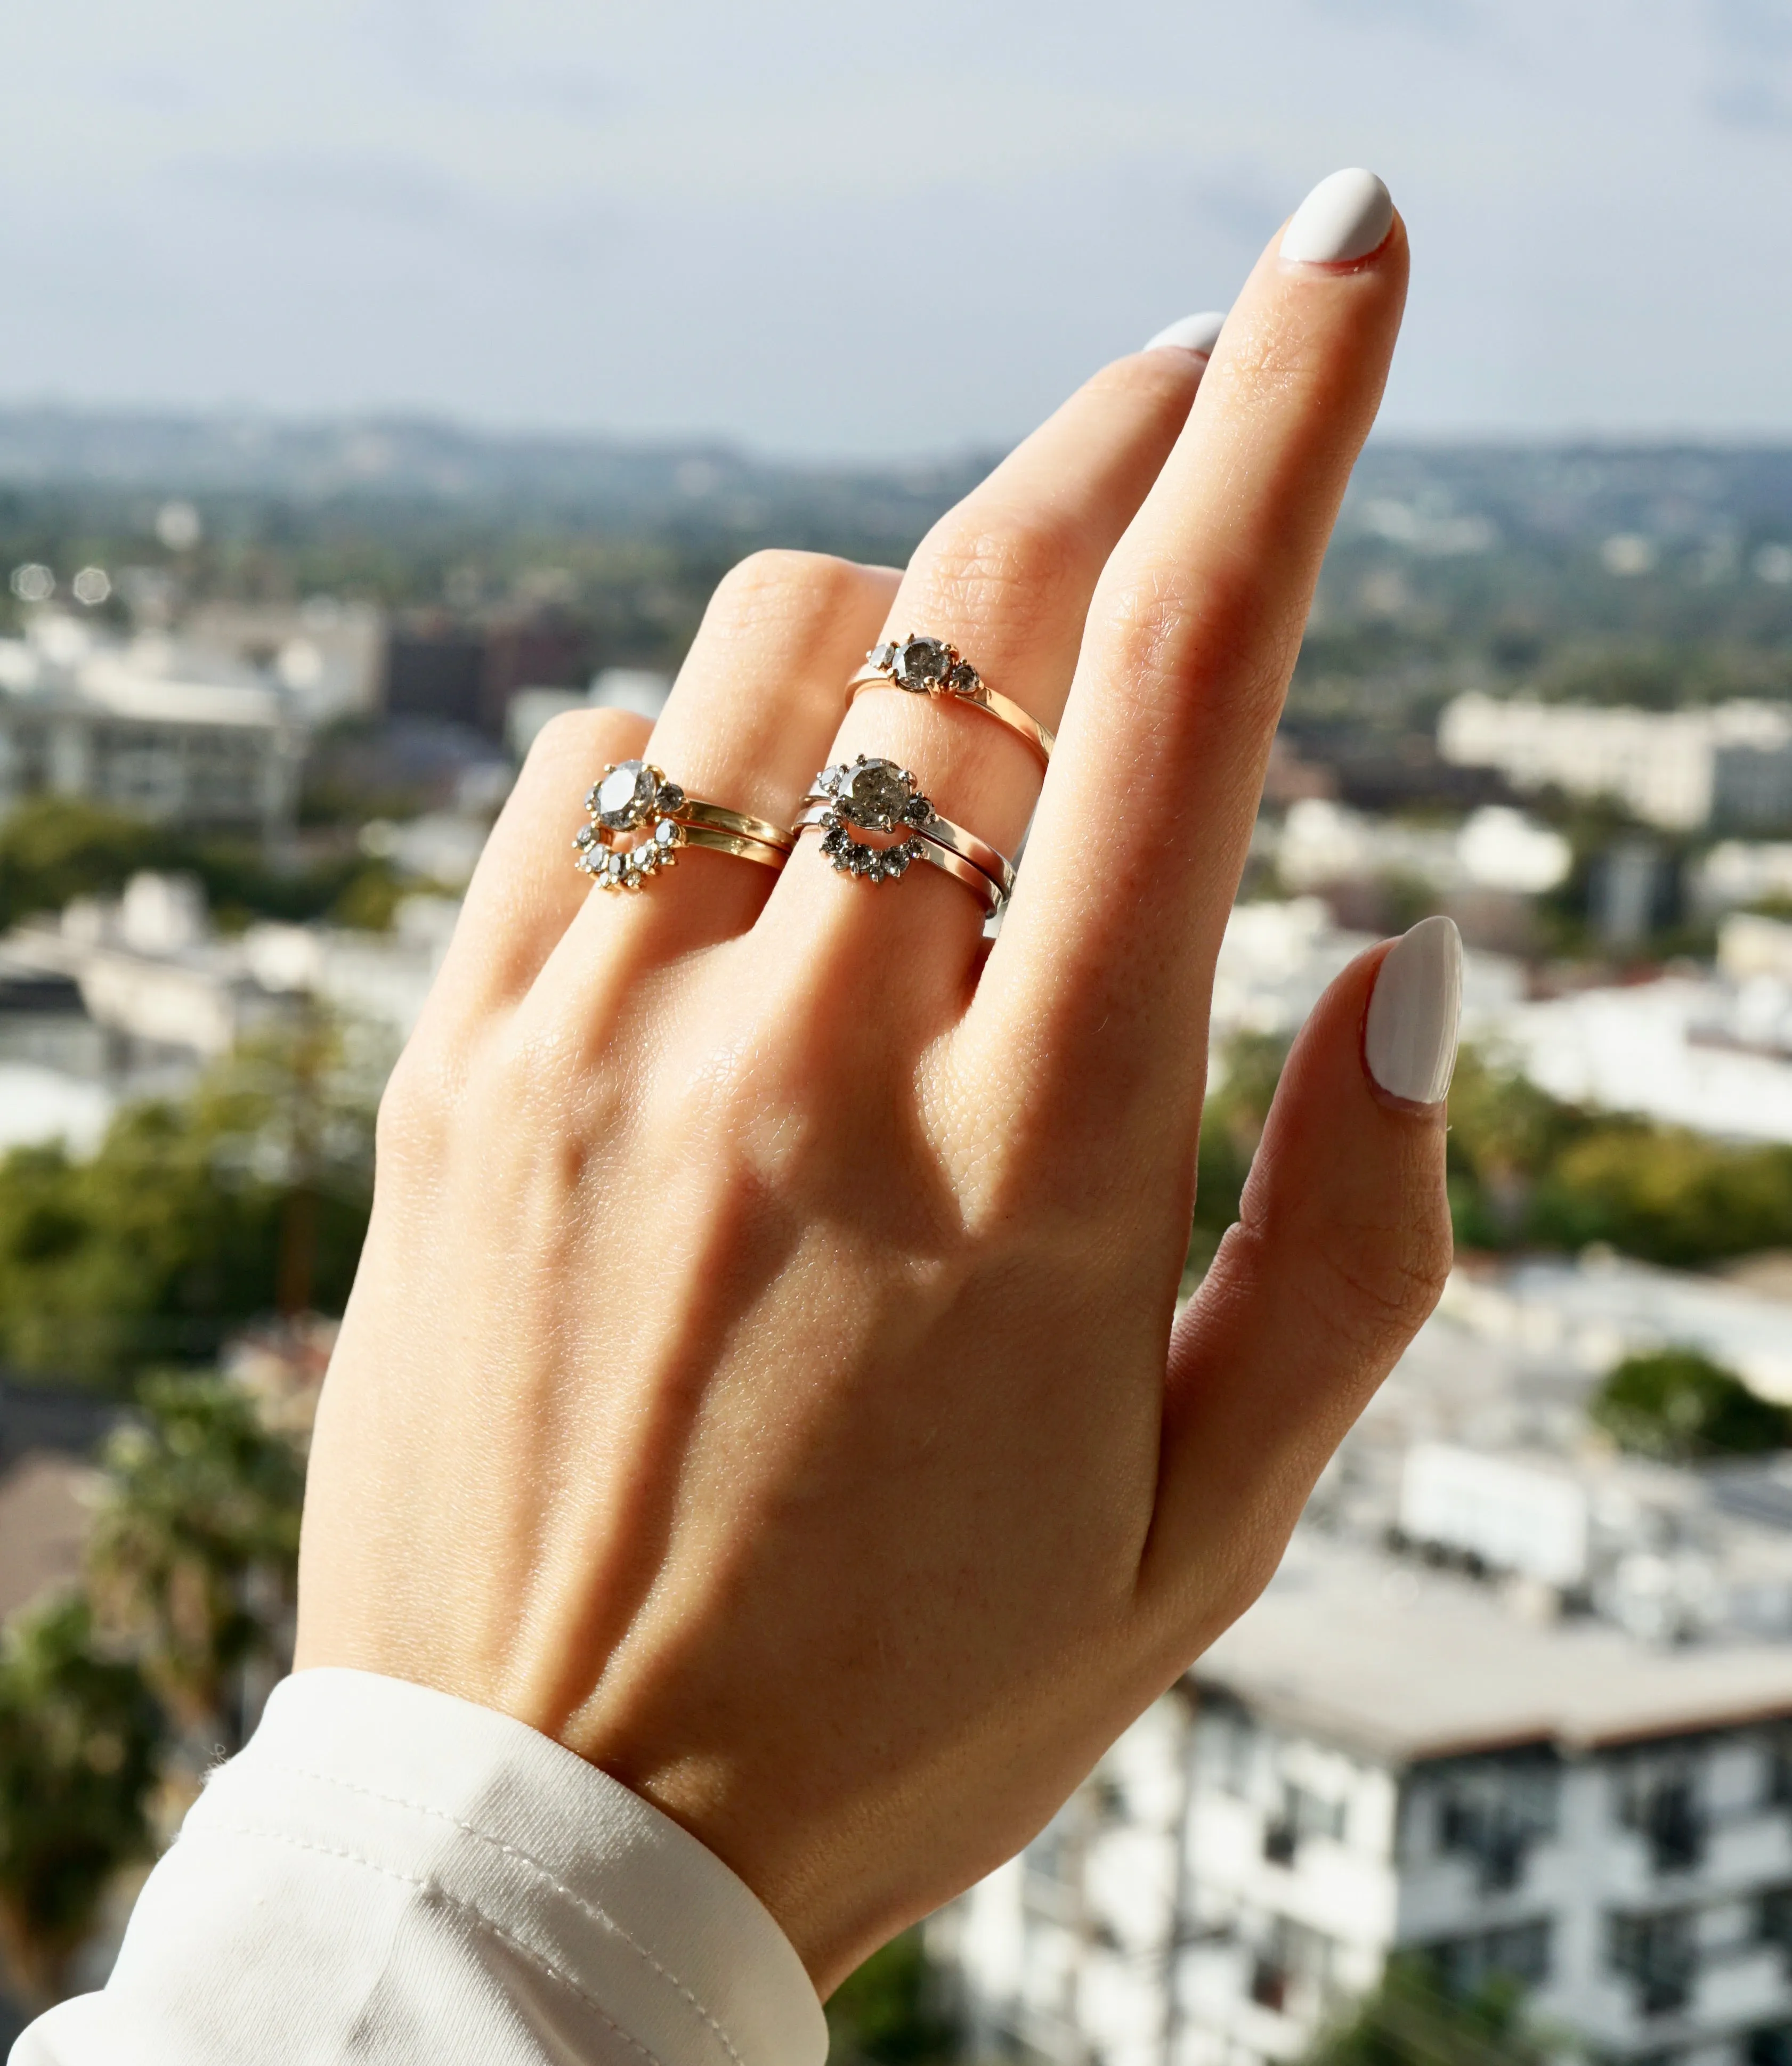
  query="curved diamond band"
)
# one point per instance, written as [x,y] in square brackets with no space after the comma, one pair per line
[634,797]
[877,796]
[935,667]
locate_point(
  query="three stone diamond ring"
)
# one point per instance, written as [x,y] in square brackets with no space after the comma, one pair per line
[634,797]
[877,796]
[935,667]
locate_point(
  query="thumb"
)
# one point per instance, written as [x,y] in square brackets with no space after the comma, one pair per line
[1339,1253]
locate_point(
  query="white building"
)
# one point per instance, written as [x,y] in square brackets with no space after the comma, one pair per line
[1277,957]
[1380,1758]
[1713,1055]
[328,656]
[1494,847]
[1680,769]
[146,727]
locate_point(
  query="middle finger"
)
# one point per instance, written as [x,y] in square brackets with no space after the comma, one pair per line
[1007,577]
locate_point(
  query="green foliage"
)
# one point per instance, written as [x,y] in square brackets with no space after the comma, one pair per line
[1679,1406]
[1525,1170]
[193,1218]
[883,2014]
[1232,1125]
[79,1735]
[53,849]
[1411,2020]
[194,1547]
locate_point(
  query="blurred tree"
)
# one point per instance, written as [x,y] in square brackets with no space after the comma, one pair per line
[887,2013]
[250,1196]
[1527,1170]
[1412,2019]
[1680,1407]
[1664,1194]
[54,849]
[79,1735]
[194,1555]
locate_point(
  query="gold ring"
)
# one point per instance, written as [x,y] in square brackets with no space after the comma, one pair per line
[935,667]
[877,795]
[635,797]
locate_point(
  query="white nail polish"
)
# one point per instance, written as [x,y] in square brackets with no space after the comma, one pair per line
[1345,217]
[1198,333]
[1409,1042]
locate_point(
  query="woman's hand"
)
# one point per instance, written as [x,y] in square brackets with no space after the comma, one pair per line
[761,1374]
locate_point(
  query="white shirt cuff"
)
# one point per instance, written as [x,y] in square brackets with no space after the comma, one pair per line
[386,1873]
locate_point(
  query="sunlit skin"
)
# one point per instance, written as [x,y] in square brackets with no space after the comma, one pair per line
[761,1374]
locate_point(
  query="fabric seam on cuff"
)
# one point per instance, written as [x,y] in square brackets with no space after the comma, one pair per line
[435,1888]
[597,1915]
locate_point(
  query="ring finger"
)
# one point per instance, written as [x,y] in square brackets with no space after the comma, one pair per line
[1006,577]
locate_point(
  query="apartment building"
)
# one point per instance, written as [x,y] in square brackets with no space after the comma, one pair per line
[147,727]
[1681,769]
[1382,1757]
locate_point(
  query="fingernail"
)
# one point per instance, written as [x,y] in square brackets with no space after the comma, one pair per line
[1409,1039]
[1345,217]
[1198,333]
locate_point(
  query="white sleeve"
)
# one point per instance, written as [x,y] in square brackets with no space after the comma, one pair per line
[390,1876]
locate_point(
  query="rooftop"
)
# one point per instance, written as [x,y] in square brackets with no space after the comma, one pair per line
[1410,1664]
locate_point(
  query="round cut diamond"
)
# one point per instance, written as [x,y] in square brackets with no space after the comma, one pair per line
[964,679]
[665,833]
[883,655]
[625,795]
[922,663]
[874,794]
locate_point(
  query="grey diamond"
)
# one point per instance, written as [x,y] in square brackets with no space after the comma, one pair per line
[964,680]
[922,662]
[627,794]
[874,794]
[881,656]
[918,811]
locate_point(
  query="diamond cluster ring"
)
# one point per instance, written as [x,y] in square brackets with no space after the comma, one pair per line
[935,667]
[633,797]
[877,795]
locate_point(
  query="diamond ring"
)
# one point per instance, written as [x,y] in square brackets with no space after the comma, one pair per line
[935,667]
[877,796]
[634,797]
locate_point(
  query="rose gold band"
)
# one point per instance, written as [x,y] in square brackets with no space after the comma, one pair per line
[816,815]
[944,672]
[956,839]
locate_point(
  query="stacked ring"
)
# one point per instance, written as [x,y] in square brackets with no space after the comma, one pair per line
[877,796]
[935,667]
[635,797]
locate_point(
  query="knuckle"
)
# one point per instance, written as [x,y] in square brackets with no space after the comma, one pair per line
[1161,633]
[986,566]
[1380,1283]
[576,734]
[786,589]
[411,1124]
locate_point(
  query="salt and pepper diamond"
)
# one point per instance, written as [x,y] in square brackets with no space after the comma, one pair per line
[630,794]
[633,796]
[878,796]
[924,665]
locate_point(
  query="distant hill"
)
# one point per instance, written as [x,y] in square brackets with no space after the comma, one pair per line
[413,461]
[1668,492]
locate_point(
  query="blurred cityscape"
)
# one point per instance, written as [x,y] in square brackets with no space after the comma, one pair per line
[1516,1715]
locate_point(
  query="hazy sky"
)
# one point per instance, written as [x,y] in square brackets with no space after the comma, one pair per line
[829,228]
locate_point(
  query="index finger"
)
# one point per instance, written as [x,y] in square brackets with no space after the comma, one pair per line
[1102,973]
